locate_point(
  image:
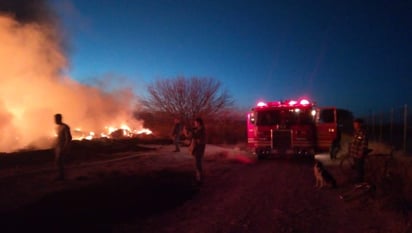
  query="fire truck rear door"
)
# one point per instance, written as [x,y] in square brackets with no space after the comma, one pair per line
[326,127]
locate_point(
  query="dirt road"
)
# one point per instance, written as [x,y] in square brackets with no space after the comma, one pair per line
[154,192]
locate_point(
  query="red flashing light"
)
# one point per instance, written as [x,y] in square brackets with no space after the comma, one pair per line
[262,104]
[304,102]
[292,102]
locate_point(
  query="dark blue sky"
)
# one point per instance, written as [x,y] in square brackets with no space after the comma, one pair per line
[351,54]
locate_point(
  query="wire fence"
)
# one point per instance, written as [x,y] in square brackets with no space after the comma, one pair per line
[392,127]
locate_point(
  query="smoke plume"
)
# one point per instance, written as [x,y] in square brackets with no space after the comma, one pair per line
[33,87]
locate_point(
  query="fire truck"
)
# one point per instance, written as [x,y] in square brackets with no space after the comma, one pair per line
[294,127]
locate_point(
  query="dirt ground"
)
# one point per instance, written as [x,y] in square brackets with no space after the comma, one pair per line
[151,189]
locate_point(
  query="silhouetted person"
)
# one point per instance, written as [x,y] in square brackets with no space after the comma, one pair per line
[62,144]
[176,132]
[198,143]
[335,146]
[358,148]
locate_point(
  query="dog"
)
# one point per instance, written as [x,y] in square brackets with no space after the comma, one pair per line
[322,176]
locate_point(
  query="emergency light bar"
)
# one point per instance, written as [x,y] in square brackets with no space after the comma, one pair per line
[302,102]
[292,102]
[262,104]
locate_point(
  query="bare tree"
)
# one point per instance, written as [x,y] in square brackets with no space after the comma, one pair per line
[188,97]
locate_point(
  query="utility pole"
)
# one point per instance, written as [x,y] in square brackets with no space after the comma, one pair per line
[405,126]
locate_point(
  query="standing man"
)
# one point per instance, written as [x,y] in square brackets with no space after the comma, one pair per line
[335,146]
[199,146]
[176,132]
[358,148]
[62,144]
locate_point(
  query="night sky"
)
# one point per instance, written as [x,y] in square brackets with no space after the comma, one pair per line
[350,54]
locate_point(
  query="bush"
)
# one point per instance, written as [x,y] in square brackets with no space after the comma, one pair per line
[229,128]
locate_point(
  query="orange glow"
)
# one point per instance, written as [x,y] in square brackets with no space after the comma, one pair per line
[144,131]
[126,132]
[33,88]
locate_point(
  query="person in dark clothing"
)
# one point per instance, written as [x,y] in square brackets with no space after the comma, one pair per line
[198,145]
[335,146]
[358,148]
[176,132]
[62,144]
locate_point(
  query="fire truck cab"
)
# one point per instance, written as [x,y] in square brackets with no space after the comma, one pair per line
[295,127]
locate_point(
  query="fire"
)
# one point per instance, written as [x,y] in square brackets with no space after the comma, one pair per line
[144,131]
[110,132]
[33,87]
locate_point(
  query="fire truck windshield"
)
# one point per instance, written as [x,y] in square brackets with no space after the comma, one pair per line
[284,116]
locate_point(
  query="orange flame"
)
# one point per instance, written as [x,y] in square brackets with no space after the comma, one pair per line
[125,130]
[33,89]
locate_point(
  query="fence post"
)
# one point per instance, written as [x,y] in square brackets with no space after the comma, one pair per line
[373,126]
[380,127]
[405,126]
[391,127]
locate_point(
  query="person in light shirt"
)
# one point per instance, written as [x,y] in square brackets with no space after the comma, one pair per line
[62,145]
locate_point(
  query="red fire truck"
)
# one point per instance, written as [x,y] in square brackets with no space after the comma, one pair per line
[296,127]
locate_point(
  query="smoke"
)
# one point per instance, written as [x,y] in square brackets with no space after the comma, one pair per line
[33,87]
[28,11]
